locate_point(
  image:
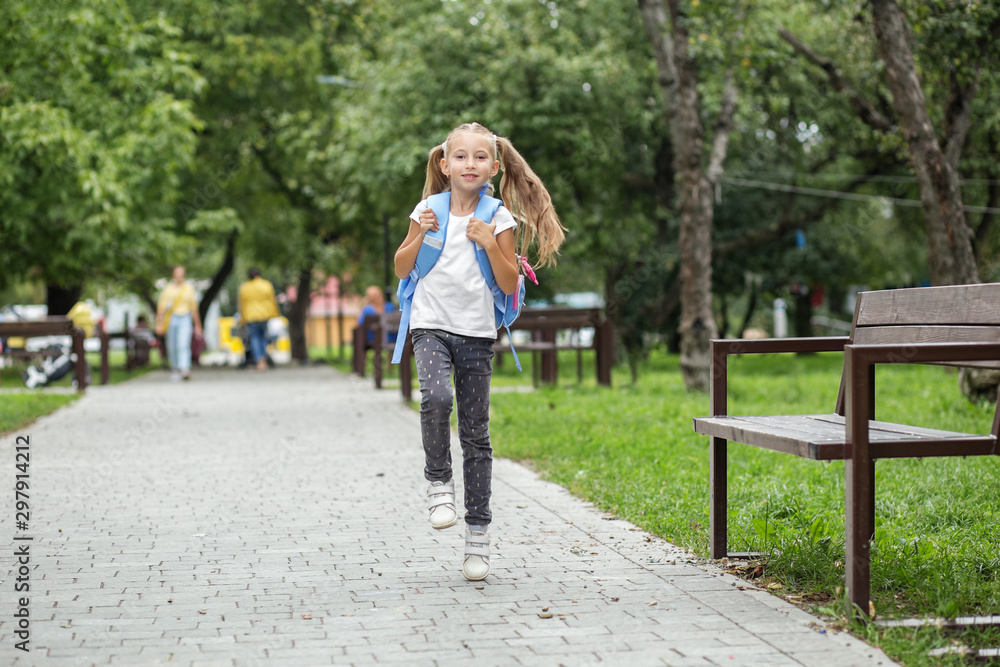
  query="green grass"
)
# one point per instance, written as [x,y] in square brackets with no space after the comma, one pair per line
[631,451]
[20,406]
[18,410]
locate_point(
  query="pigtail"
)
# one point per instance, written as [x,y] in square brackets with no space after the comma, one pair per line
[523,192]
[435,180]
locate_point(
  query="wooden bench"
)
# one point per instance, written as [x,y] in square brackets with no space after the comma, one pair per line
[381,327]
[545,325]
[52,326]
[136,350]
[954,325]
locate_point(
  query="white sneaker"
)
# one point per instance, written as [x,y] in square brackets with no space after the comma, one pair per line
[175,376]
[441,503]
[477,555]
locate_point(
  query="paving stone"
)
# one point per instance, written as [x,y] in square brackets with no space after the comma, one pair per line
[279,519]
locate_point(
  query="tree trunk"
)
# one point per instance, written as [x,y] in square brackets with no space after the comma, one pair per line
[298,316]
[697,325]
[679,80]
[949,238]
[220,277]
[60,298]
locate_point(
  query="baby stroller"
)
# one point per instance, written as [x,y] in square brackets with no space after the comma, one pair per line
[58,362]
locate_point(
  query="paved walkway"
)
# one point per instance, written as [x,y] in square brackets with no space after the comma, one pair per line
[278,519]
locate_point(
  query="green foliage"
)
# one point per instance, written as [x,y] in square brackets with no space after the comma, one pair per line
[570,87]
[795,128]
[97,127]
[157,130]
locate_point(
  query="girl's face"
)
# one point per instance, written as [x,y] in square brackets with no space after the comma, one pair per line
[469,163]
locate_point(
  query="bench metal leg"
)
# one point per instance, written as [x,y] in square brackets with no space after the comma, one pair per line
[550,360]
[360,351]
[718,501]
[859,485]
[718,538]
[80,368]
[604,341]
[377,362]
[859,533]
[406,369]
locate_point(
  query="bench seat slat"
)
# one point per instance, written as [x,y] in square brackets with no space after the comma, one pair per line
[823,437]
[789,434]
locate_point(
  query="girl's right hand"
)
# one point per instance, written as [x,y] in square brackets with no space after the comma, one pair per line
[428,221]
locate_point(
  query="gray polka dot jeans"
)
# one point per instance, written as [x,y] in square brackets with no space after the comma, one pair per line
[438,353]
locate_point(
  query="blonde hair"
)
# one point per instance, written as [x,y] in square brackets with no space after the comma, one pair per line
[521,190]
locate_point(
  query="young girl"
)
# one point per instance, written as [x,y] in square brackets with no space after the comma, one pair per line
[452,320]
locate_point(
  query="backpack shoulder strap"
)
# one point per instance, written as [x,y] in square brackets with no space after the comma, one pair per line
[427,257]
[433,242]
[485,210]
[505,306]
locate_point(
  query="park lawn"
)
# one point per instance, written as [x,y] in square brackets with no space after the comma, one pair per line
[18,410]
[19,406]
[630,450]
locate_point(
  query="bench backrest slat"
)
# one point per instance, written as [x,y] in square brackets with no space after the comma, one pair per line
[951,313]
[950,304]
[927,334]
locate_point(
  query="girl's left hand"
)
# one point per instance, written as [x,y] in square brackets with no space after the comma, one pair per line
[480,232]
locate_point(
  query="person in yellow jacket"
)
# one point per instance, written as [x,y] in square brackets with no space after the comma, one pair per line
[82,318]
[257,305]
[177,318]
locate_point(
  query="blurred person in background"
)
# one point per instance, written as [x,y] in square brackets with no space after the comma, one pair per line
[257,305]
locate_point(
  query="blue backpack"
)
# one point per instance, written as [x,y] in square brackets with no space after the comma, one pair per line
[506,307]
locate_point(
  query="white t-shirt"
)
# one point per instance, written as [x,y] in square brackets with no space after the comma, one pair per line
[453,295]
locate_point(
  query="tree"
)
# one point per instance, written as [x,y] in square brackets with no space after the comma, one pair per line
[96,127]
[572,88]
[964,38]
[949,239]
[696,182]
[266,151]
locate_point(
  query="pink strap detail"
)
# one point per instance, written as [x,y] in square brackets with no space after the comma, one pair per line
[528,270]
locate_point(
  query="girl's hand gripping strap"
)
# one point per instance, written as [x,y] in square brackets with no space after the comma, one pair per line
[430,250]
